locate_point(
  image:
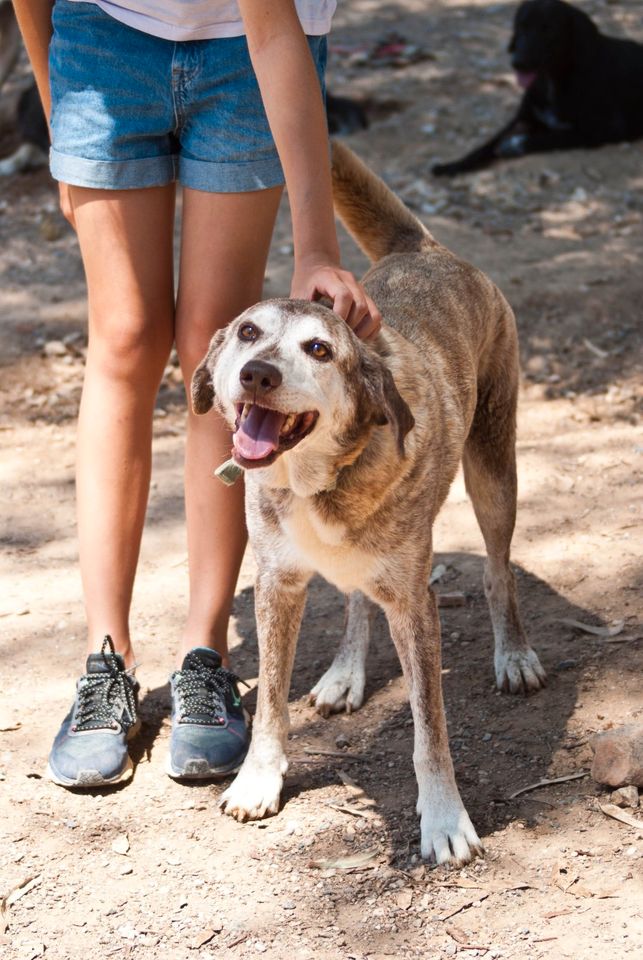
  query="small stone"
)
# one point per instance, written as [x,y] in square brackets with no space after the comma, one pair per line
[260,946]
[618,756]
[486,737]
[54,348]
[450,949]
[121,845]
[289,905]
[342,741]
[626,796]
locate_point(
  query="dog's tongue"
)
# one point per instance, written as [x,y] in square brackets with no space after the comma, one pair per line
[525,80]
[258,434]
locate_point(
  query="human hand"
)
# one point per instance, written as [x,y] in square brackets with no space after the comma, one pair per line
[312,281]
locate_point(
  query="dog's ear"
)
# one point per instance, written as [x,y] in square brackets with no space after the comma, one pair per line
[201,388]
[385,400]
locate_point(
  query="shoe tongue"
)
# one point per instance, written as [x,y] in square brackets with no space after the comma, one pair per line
[258,434]
[96,663]
[208,657]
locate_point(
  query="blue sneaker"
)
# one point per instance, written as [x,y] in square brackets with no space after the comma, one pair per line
[209,731]
[91,747]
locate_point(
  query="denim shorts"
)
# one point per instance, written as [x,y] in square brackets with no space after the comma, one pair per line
[130,110]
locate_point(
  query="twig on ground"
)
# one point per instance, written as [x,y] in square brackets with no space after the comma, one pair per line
[611,810]
[547,783]
[336,753]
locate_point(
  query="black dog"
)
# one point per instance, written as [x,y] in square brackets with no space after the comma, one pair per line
[582,89]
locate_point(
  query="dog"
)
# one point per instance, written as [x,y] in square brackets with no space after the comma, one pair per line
[31,124]
[349,449]
[582,89]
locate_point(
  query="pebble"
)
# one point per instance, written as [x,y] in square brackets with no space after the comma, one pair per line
[626,796]
[618,756]
[54,348]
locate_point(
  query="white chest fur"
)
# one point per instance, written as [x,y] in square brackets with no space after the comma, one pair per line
[322,546]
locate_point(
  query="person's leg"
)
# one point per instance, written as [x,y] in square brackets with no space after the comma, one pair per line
[126,243]
[224,248]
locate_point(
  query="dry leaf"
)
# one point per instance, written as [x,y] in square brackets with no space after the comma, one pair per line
[611,810]
[18,892]
[458,935]
[355,861]
[611,631]
[204,936]
[121,844]
[404,899]
[563,876]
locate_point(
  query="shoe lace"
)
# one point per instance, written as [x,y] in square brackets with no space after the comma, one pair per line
[202,690]
[99,693]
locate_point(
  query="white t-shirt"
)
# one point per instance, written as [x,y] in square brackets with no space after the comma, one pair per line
[206,19]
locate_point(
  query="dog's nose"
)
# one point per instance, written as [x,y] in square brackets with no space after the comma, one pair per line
[259,376]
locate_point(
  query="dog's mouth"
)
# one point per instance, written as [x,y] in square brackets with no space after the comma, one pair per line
[261,434]
[526,78]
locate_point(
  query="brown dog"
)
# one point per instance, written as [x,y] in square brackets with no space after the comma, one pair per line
[349,450]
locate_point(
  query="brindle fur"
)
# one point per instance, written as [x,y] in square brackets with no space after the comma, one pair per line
[356,499]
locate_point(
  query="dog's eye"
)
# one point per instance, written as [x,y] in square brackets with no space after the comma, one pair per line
[248,331]
[318,350]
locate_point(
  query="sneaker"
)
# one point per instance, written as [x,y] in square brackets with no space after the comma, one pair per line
[209,730]
[91,747]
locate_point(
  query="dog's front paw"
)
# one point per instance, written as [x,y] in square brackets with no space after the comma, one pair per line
[253,794]
[340,688]
[447,834]
[519,671]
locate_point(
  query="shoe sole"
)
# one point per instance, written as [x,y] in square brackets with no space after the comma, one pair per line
[93,778]
[201,770]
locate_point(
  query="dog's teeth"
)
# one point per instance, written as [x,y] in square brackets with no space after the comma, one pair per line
[288,423]
[245,411]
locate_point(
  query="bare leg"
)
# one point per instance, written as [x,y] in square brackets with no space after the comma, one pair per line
[447,833]
[224,249]
[279,600]
[342,686]
[126,243]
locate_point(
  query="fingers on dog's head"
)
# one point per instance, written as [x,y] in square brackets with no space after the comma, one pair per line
[202,387]
[387,403]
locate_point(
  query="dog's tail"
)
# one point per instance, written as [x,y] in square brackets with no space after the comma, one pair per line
[370,211]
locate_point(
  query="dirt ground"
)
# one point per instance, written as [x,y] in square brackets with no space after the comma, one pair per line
[153,869]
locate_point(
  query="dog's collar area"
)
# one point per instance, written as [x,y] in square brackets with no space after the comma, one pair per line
[262,433]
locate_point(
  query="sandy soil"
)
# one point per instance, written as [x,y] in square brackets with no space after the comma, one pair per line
[153,869]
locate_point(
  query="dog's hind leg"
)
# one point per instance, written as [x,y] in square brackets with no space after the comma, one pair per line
[489,462]
[279,603]
[342,686]
[447,834]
